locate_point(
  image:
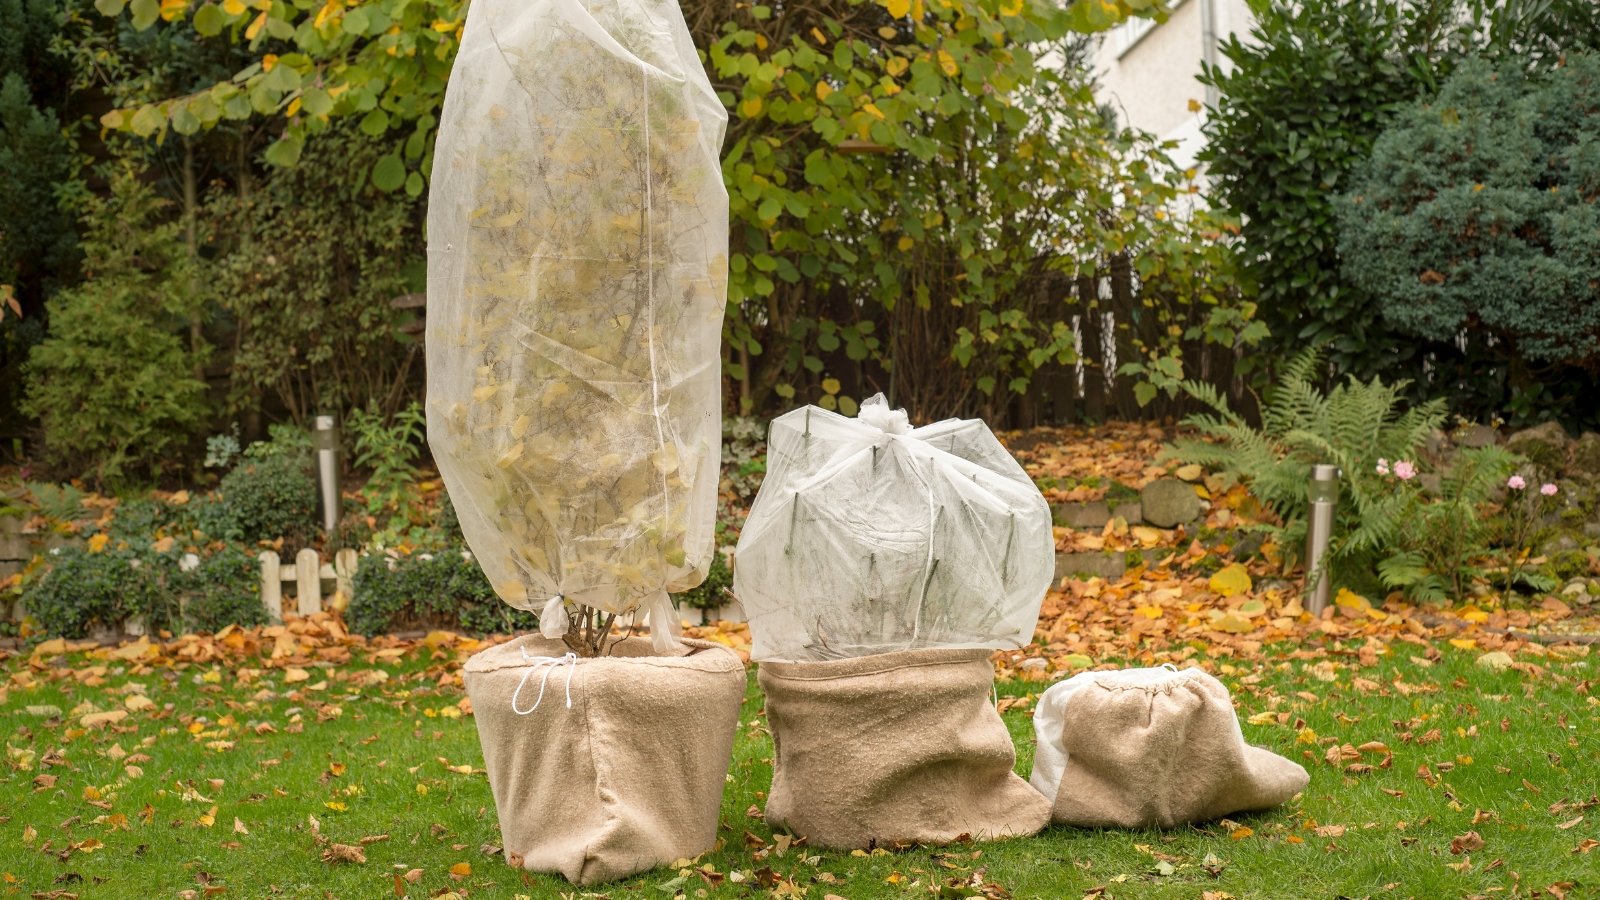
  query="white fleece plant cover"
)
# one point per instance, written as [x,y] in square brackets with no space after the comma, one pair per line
[869,536]
[577,274]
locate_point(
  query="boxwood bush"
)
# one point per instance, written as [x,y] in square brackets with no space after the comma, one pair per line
[83,591]
[225,589]
[264,498]
[428,590]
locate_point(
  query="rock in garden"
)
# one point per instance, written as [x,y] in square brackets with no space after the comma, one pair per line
[1478,436]
[1168,502]
[1544,445]
[1437,448]
[1586,455]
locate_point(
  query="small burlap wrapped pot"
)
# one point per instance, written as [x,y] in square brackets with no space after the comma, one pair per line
[609,766]
[1151,747]
[893,748]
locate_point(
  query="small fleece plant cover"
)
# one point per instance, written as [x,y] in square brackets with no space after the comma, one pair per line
[577,273]
[1142,748]
[870,536]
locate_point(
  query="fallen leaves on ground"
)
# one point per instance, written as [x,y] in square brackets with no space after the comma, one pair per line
[1189,598]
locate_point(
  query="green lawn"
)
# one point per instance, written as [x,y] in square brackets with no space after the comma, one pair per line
[239,786]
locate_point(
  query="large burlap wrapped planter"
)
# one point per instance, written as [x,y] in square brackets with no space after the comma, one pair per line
[630,776]
[1151,747]
[893,748]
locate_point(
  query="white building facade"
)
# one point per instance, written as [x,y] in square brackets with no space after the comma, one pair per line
[1148,72]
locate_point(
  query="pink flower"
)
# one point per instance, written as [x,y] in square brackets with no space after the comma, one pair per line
[1516,483]
[1383,466]
[1404,470]
[1549,490]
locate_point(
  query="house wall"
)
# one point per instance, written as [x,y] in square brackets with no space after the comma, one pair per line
[1148,72]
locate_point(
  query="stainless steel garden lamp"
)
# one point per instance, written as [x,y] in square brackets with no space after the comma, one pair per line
[1324,496]
[326,443]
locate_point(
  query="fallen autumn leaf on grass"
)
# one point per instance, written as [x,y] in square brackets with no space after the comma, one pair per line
[343,853]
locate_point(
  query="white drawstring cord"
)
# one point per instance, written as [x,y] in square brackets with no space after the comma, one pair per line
[549,664]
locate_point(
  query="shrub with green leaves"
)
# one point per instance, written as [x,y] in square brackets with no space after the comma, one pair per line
[224,589]
[39,253]
[1476,213]
[264,498]
[114,385]
[1277,158]
[428,590]
[84,592]
[1281,162]
[1352,426]
[314,257]
[40,249]
[143,520]
[388,447]
[912,185]
[713,592]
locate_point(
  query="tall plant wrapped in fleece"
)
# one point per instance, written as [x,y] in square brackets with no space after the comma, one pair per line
[577,274]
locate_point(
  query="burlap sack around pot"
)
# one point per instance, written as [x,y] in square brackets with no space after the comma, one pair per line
[1151,747]
[626,778]
[893,747]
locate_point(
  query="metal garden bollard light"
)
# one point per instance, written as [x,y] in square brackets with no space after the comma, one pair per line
[1324,496]
[326,443]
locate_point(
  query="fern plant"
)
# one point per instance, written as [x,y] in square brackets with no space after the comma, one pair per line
[1352,426]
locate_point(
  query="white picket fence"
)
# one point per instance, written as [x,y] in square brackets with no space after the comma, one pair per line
[307,573]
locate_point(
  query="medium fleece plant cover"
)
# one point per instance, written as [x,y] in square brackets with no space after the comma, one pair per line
[894,748]
[870,536]
[577,274]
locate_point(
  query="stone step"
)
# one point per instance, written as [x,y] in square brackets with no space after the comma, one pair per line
[1093,515]
[22,547]
[15,546]
[1090,516]
[1107,564]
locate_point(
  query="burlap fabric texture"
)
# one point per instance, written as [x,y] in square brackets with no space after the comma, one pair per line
[626,778]
[893,748]
[1151,747]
